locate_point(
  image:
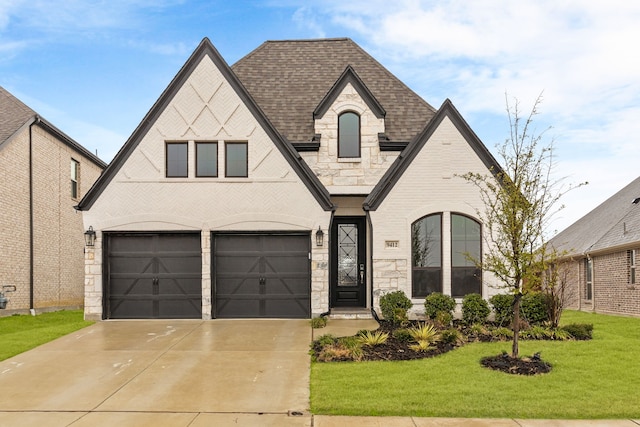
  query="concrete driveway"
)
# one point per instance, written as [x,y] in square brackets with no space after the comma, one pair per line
[163,373]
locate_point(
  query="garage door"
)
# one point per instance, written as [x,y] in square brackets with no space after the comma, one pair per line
[262,275]
[153,276]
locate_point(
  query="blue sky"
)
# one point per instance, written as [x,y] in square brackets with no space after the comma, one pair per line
[95,67]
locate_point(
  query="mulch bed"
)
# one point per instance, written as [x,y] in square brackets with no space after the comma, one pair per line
[522,366]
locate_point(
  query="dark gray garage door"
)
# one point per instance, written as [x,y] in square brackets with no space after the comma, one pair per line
[262,275]
[153,276]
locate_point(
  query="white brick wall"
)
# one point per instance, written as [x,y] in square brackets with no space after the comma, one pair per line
[428,186]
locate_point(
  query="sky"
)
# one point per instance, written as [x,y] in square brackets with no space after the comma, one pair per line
[94,68]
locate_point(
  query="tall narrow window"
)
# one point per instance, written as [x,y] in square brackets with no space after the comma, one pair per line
[236,161]
[349,135]
[632,266]
[206,159]
[588,279]
[177,160]
[426,255]
[75,176]
[466,277]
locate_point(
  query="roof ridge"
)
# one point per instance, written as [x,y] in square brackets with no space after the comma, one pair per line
[326,39]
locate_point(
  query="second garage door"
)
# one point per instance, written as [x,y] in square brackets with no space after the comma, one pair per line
[262,275]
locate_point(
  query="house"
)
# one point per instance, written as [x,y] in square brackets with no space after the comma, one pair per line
[305,179]
[43,175]
[601,251]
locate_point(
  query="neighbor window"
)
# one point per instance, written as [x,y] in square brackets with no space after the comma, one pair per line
[236,161]
[426,255]
[177,160]
[349,135]
[75,174]
[588,279]
[466,277]
[632,266]
[206,159]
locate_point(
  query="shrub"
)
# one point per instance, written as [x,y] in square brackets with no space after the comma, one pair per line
[503,308]
[474,309]
[443,318]
[536,332]
[318,322]
[452,336]
[533,307]
[579,331]
[424,332]
[502,333]
[373,338]
[394,306]
[402,334]
[437,302]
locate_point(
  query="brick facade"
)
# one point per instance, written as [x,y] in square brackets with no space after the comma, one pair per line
[58,242]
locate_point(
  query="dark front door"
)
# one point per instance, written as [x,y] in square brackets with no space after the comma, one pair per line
[153,276]
[348,275]
[262,275]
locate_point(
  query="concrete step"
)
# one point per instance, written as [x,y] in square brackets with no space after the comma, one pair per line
[350,313]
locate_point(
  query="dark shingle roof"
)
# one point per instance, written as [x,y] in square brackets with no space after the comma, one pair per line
[614,223]
[13,114]
[288,79]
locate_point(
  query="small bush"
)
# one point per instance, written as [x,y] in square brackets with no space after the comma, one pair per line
[503,308]
[579,331]
[437,302]
[533,307]
[535,332]
[443,319]
[373,338]
[318,322]
[402,334]
[452,336]
[474,309]
[394,306]
[424,332]
[502,333]
[559,334]
[421,346]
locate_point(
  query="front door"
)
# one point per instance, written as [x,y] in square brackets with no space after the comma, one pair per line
[348,275]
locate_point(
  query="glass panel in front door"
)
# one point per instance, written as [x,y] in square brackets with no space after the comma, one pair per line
[347,255]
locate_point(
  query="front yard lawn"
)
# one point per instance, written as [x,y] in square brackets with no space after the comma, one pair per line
[22,333]
[589,380]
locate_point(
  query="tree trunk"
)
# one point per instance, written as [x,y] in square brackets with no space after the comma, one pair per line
[516,324]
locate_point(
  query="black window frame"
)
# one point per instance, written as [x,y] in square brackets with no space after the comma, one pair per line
[359,137]
[465,279]
[418,289]
[198,145]
[633,277]
[167,160]
[226,159]
[588,279]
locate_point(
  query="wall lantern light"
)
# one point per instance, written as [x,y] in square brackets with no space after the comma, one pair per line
[319,237]
[90,237]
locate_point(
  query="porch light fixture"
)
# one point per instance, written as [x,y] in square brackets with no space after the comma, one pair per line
[319,237]
[90,237]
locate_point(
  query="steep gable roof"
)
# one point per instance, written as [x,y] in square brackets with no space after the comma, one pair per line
[349,76]
[614,223]
[206,49]
[289,79]
[14,115]
[393,174]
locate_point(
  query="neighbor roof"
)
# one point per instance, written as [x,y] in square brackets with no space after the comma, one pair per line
[613,224]
[14,115]
[289,79]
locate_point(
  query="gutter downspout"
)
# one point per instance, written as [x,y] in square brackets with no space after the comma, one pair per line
[31,234]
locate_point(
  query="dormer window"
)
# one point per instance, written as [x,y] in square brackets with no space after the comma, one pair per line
[349,135]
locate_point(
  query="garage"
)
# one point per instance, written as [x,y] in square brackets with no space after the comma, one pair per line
[153,276]
[261,275]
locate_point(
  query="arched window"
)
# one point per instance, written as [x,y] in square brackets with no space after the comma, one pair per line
[466,247]
[349,135]
[426,255]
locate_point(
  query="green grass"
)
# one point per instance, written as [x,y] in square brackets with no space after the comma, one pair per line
[21,333]
[590,380]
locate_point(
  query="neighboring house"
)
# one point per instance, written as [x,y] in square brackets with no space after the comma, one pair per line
[304,179]
[601,253]
[43,175]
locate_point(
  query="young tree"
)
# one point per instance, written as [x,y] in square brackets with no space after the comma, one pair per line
[519,201]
